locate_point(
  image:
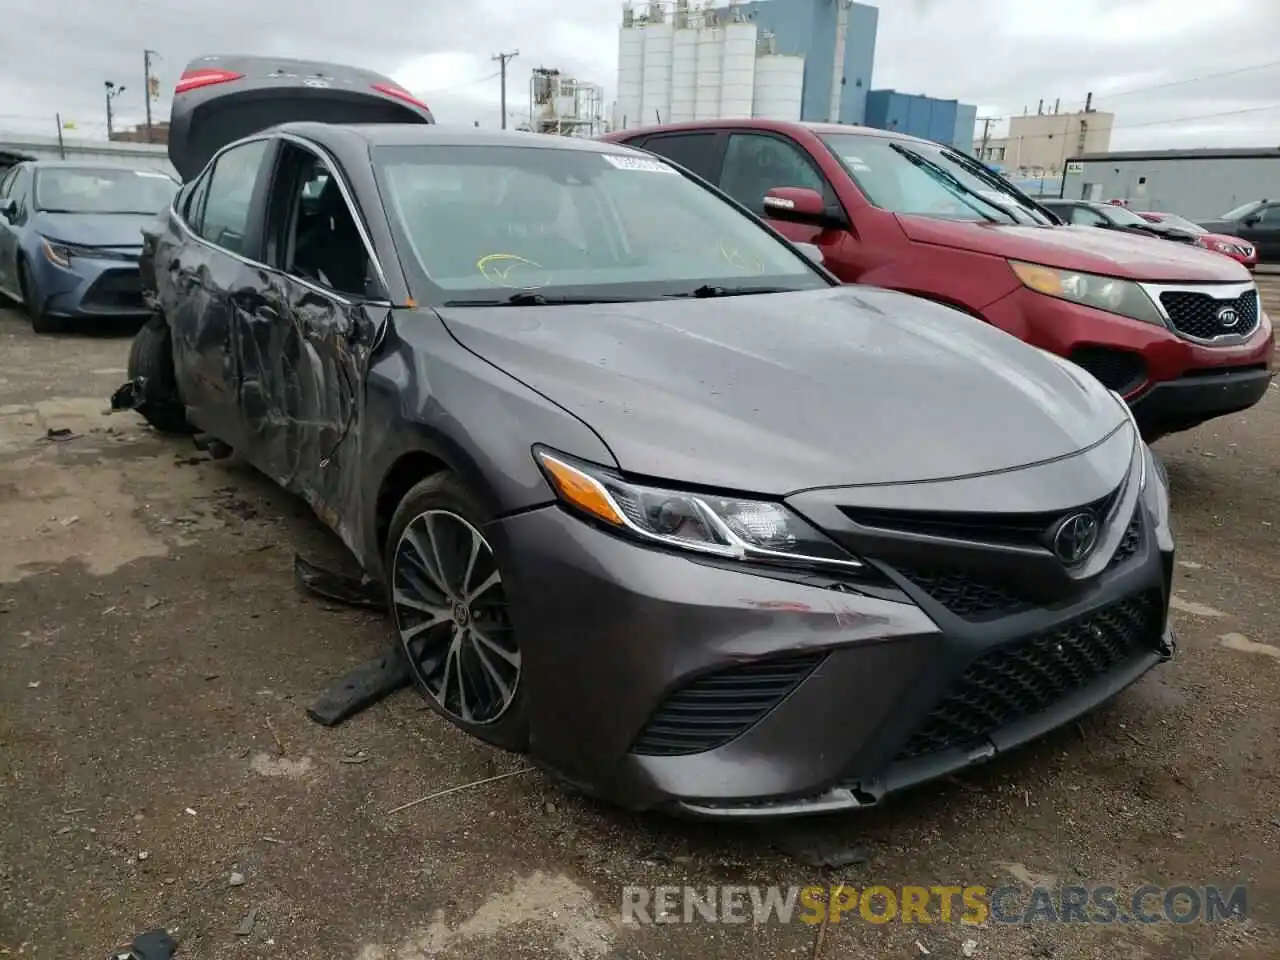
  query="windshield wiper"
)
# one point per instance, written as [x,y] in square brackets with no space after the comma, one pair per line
[954,184]
[708,290]
[527,298]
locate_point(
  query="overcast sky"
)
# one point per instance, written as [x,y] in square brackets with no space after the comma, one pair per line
[1003,55]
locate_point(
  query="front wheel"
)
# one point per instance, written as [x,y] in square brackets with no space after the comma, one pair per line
[151,360]
[447,599]
[32,302]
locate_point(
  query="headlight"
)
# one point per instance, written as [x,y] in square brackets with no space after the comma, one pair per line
[62,253]
[1123,297]
[753,530]
[1140,445]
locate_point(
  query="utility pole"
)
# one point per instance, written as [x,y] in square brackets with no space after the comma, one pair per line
[503,59]
[151,85]
[112,92]
[986,137]
[62,149]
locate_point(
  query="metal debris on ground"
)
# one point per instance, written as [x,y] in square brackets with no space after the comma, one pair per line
[59,434]
[152,945]
[247,924]
[360,689]
[459,789]
[820,853]
[352,590]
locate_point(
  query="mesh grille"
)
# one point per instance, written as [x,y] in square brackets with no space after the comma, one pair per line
[719,707]
[1023,679]
[1199,315]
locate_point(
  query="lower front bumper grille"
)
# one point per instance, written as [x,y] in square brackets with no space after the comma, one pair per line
[714,709]
[1022,679]
[116,289]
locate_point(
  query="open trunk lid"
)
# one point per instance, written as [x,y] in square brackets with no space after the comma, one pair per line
[220,99]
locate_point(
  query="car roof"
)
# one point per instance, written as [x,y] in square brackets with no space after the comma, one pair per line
[778,126]
[440,135]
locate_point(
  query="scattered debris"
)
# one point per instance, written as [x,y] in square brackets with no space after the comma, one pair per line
[272,840]
[68,521]
[819,853]
[360,689]
[459,789]
[143,855]
[33,685]
[922,948]
[236,879]
[190,812]
[152,945]
[969,947]
[354,591]
[150,603]
[276,737]
[1135,738]
[269,766]
[246,925]
[59,434]
[360,757]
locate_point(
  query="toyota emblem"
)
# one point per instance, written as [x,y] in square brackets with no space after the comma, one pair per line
[1075,538]
[1228,317]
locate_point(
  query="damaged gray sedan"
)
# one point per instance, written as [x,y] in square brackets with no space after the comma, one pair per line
[651,497]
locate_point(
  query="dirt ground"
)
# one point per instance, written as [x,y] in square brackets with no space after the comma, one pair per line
[157,766]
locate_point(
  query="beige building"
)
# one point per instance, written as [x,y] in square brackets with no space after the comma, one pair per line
[1040,144]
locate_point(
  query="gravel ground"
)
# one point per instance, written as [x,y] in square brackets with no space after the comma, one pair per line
[157,766]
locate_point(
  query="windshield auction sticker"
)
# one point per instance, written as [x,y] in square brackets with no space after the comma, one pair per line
[642,164]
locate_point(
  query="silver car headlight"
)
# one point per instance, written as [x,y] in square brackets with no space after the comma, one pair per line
[1123,297]
[1140,449]
[734,528]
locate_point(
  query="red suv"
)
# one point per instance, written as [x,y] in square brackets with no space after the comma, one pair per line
[1178,331]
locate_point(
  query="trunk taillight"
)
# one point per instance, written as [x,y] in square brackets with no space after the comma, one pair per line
[195,79]
[400,93]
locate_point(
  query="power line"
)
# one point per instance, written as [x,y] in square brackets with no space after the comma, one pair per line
[1165,85]
[1190,118]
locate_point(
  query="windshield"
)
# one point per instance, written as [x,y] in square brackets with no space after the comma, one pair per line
[1125,218]
[929,180]
[486,223]
[102,190]
[1239,213]
[1181,223]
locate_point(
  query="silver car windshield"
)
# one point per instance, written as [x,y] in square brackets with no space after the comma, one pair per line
[484,220]
[103,190]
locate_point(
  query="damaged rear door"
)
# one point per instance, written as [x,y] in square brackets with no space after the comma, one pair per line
[305,337]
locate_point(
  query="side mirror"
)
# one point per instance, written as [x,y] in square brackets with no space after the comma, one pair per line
[9,209]
[813,252]
[1252,220]
[796,205]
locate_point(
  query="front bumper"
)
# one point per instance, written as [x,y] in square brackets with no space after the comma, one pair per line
[655,680]
[1135,358]
[91,287]
[1198,397]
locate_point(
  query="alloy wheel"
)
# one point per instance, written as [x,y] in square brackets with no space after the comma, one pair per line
[451,615]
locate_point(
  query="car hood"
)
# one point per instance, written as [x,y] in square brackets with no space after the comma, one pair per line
[93,229]
[782,392]
[1070,247]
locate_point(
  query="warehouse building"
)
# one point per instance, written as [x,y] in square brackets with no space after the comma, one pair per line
[945,121]
[1197,184]
[1038,145]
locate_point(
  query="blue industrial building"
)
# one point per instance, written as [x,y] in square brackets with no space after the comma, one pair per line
[944,121]
[827,32]
[824,32]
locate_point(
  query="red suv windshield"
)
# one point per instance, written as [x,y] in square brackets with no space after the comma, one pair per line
[925,179]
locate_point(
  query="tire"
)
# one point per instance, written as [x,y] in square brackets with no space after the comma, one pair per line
[442,503]
[41,322]
[151,358]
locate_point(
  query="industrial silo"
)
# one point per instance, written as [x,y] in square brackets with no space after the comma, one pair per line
[630,71]
[738,76]
[655,106]
[779,87]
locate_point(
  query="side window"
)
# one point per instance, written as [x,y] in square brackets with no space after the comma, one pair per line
[1088,218]
[312,233]
[193,205]
[693,151]
[1271,217]
[755,163]
[20,190]
[226,206]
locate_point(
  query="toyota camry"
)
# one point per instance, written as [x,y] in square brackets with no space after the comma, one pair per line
[652,497]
